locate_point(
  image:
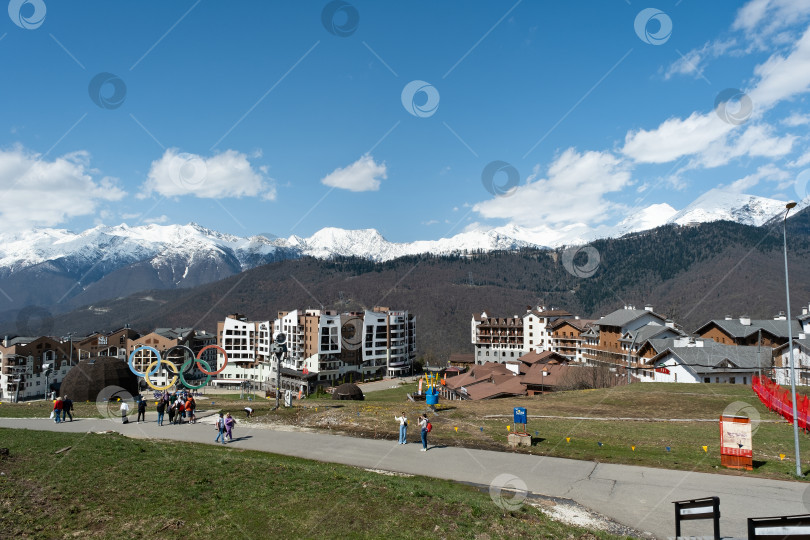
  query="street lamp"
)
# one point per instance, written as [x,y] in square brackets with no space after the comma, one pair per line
[789,206]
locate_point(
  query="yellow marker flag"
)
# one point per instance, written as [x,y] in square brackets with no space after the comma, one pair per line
[508,428]
[633,448]
[456,429]
[781,457]
[705,448]
[568,439]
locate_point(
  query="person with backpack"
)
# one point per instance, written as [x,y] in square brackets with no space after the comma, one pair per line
[426,427]
[220,425]
[141,410]
[67,408]
[181,411]
[161,410]
[403,427]
[191,406]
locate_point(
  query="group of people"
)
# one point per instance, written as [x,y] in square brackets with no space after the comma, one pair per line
[180,405]
[62,408]
[224,427]
[424,429]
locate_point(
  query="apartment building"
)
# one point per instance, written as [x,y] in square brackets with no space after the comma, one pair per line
[22,375]
[112,344]
[503,339]
[322,347]
[622,333]
[748,331]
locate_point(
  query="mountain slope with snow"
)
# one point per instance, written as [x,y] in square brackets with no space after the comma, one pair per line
[58,267]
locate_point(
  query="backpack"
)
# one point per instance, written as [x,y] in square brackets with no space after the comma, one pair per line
[429,427]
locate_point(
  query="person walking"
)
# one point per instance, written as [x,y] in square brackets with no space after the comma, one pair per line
[403,427]
[191,406]
[423,424]
[220,429]
[230,422]
[57,410]
[161,410]
[67,408]
[124,411]
[141,410]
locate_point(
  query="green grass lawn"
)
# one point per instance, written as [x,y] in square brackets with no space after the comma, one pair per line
[109,486]
[460,423]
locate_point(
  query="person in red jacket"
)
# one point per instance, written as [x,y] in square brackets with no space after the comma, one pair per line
[57,410]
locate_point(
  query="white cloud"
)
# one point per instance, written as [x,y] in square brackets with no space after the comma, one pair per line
[760,19]
[783,77]
[757,140]
[675,138]
[694,62]
[38,192]
[796,119]
[362,175]
[768,172]
[800,161]
[228,174]
[572,194]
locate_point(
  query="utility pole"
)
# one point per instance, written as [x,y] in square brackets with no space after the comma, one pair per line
[759,356]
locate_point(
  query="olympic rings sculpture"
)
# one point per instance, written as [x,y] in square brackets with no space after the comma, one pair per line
[202,365]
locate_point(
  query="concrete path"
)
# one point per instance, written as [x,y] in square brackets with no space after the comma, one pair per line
[639,497]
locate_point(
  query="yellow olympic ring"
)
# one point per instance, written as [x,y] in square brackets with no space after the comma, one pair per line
[169,364]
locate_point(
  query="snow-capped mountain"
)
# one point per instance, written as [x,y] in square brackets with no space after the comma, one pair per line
[719,204]
[49,267]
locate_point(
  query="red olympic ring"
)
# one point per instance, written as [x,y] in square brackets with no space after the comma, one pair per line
[199,357]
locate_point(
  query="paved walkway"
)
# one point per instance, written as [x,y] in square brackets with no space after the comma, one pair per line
[639,497]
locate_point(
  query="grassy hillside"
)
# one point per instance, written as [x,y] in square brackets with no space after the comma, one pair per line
[109,486]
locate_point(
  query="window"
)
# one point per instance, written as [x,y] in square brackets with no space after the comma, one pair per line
[707,379]
[732,380]
[717,379]
[745,380]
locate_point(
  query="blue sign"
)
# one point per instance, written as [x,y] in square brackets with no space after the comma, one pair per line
[520,415]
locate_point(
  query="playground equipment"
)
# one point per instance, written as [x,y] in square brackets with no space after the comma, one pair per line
[431,389]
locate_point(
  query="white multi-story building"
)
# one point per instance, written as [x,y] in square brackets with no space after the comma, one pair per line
[497,339]
[322,347]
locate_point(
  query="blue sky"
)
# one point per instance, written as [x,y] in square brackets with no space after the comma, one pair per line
[255,118]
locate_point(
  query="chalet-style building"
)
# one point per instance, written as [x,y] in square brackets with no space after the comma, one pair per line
[609,340]
[698,360]
[748,331]
[566,337]
[801,360]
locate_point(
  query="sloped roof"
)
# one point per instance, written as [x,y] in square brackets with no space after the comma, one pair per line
[712,356]
[649,331]
[736,329]
[544,357]
[622,317]
[803,343]
[462,358]
[173,333]
[579,324]
[549,313]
